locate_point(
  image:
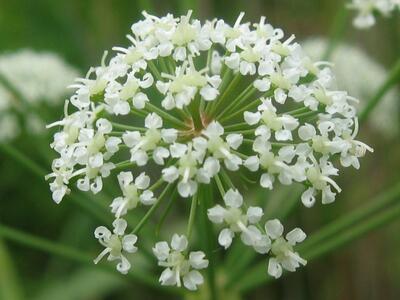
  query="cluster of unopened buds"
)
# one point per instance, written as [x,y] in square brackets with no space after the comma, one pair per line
[366,10]
[211,106]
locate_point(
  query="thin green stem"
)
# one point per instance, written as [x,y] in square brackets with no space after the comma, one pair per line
[18,156]
[192,215]
[338,233]
[127,127]
[151,211]
[154,70]
[166,212]
[249,106]
[338,30]
[238,101]
[10,288]
[67,252]
[35,169]
[391,80]
[207,237]
[219,184]
[219,102]
[165,115]
[347,221]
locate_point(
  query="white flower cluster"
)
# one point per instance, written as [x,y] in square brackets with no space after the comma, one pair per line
[264,240]
[371,75]
[204,104]
[178,264]
[40,78]
[366,8]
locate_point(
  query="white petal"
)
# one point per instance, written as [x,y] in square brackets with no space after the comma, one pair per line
[295,236]
[252,118]
[234,140]
[216,214]
[169,135]
[233,198]
[274,228]
[187,189]
[139,100]
[197,260]
[131,138]
[308,198]
[283,135]
[254,214]
[177,150]
[306,132]
[102,232]
[123,266]
[209,93]
[159,154]
[252,163]
[266,181]
[153,121]
[142,181]
[140,157]
[168,277]
[128,243]
[103,125]
[274,268]
[170,174]
[179,242]
[192,280]
[225,238]
[262,85]
[161,250]
[119,226]
[211,165]
[147,198]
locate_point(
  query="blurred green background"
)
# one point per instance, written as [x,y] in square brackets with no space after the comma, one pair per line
[80,30]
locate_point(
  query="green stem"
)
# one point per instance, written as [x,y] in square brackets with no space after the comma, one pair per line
[392,79]
[67,252]
[127,127]
[10,288]
[151,211]
[337,31]
[207,237]
[18,156]
[240,100]
[249,106]
[165,115]
[346,229]
[347,221]
[222,99]
[166,212]
[219,185]
[30,165]
[192,215]
[154,70]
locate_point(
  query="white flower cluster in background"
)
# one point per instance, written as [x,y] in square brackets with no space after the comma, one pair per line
[204,105]
[370,76]
[40,78]
[367,8]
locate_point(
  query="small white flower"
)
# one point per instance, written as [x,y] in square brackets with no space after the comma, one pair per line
[133,193]
[220,149]
[141,144]
[238,222]
[366,8]
[178,266]
[115,242]
[283,255]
